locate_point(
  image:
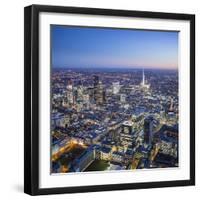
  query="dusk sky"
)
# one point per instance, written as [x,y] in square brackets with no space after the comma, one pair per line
[80,47]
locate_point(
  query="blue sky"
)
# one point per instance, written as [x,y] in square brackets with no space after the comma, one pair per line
[74,47]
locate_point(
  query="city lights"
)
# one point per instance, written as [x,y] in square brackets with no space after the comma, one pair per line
[102,120]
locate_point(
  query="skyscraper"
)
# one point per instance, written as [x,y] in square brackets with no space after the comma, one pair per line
[96,83]
[69,92]
[98,91]
[143,78]
[127,127]
[80,92]
[171,105]
[144,84]
[104,96]
[116,87]
[148,130]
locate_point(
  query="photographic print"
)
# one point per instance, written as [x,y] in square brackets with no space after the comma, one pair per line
[114,99]
[109,100]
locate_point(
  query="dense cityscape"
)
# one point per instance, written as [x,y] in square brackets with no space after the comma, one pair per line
[113,119]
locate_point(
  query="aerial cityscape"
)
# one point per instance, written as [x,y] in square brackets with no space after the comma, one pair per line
[110,109]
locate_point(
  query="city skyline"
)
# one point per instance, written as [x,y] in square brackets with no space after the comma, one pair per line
[113,121]
[112,108]
[83,47]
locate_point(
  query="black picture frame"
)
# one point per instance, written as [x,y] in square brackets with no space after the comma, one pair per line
[31,98]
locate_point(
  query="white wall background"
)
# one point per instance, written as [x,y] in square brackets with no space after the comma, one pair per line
[11,97]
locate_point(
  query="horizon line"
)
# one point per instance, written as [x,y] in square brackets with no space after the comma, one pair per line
[158,68]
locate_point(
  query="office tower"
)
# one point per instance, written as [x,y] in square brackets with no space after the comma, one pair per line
[69,92]
[98,90]
[79,92]
[127,127]
[96,83]
[90,91]
[126,136]
[86,101]
[116,87]
[104,96]
[100,93]
[171,108]
[96,80]
[148,130]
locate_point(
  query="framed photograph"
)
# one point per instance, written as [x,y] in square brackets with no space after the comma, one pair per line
[109,100]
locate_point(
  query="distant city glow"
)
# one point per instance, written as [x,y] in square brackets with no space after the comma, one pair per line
[83,47]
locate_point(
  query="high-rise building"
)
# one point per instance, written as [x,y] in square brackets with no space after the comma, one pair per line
[98,91]
[69,92]
[90,91]
[148,130]
[116,87]
[126,135]
[79,92]
[96,83]
[171,108]
[127,127]
[143,78]
[86,100]
[144,84]
[104,96]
